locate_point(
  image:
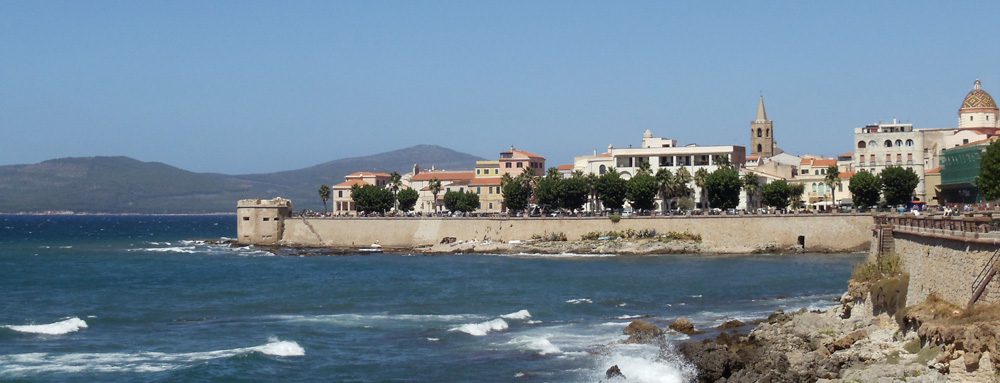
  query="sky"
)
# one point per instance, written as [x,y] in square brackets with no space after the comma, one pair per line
[253,86]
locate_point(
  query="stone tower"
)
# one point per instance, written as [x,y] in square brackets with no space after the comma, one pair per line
[761,133]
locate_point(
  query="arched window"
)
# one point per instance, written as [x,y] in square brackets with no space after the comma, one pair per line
[767,132]
[887,143]
[872,144]
[899,142]
[603,169]
[861,144]
[759,148]
[759,132]
[909,142]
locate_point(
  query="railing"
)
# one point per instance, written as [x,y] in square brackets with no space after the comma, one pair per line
[982,228]
[984,278]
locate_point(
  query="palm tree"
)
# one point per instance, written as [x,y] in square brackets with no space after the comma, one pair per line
[832,180]
[751,184]
[680,188]
[592,180]
[435,186]
[699,179]
[663,180]
[324,194]
[395,183]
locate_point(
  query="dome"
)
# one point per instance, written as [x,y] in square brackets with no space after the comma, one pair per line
[978,98]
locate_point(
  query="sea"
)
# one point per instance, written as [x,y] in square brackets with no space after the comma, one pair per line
[157,299]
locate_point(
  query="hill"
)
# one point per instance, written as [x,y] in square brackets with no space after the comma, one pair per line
[126,185]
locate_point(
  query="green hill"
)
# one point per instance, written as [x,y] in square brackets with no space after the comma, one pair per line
[126,185]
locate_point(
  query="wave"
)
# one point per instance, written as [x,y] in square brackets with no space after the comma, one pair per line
[65,326]
[523,314]
[482,328]
[541,345]
[629,316]
[577,301]
[365,319]
[646,364]
[34,363]
[201,247]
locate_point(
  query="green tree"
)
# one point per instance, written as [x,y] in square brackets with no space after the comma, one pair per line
[864,188]
[988,180]
[641,190]
[699,180]
[611,190]
[898,185]
[407,199]
[465,202]
[324,195]
[776,194]
[681,185]
[435,186]
[516,192]
[723,188]
[371,199]
[663,180]
[547,190]
[832,180]
[795,194]
[395,183]
[574,192]
[751,185]
[592,180]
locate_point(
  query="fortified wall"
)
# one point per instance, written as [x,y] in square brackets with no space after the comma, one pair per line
[720,234]
[952,257]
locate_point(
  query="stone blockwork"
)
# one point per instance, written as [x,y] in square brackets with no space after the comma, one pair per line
[944,266]
[721,234]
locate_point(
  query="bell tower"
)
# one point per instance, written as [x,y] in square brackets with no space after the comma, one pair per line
[761,133]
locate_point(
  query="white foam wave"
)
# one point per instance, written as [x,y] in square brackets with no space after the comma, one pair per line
[628,316]
[34,363]
[433,339]
[541,345]
[482,328]
[172,249]
[615,324]
[381,318]
[577,301]
[523,314]
[533,322]
[65,326]
[646,364]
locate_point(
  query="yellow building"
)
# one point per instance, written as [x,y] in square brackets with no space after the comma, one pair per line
[486,183]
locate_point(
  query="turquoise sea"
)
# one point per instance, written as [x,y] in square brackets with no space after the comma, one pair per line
[143,298]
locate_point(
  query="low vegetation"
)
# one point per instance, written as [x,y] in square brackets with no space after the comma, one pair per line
[883,267]
[550,237]
[641,234]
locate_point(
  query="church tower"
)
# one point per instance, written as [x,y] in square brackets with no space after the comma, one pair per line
[761,133]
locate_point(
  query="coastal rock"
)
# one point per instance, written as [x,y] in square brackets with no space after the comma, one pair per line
[640,331]
[778,317]
[714,361]
[847,341]
[614,372]
[732,324]
[683,325]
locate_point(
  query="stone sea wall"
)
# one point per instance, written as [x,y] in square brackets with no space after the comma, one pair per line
[947,267]
[720,234]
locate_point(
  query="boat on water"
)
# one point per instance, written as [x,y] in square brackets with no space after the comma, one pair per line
[374,248]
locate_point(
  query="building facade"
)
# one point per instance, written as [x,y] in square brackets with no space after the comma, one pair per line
[340,193]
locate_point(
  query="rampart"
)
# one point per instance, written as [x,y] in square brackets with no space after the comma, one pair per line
[720,234]
[943,255]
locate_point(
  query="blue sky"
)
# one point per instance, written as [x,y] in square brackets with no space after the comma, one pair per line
[247,86]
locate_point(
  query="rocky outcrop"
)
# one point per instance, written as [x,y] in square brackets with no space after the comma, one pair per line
[683,326]
[640,331]
[731,325]
[614,372]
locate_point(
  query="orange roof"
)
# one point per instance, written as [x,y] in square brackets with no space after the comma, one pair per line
[819,162]
[526,153]
[369,174]
[846,175]
[444,175]
[494,181]
[565,167]
[934,171]
[753,157]
[349,183]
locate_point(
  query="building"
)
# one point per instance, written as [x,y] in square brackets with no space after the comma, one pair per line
[762,133]
[661,153]
[486,183]
[817,194]
[879,146]
[261,221]
[959,171]
[341,193]
[450,181]
[514,161]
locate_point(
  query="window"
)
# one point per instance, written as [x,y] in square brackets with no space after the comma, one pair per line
[887,143]
[479,190]
[861,158]
[861,144]
[266,219]
[909,142]
[759,132]
[872,158]
[496,171]
[872,144]
[888,158]
[909,157]
[804,171]
[970,118]
[759,148]
[520,165]
[508,165]
[899,157]
[246,218]
[602,169]
[477,172]
[767,132]
[899,142]
[491,205]
[340,194]
[965,141]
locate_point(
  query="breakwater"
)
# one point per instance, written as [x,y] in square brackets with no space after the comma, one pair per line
[719,234]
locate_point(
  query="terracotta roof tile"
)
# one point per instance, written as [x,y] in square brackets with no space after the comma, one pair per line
[444,175]
[349,183]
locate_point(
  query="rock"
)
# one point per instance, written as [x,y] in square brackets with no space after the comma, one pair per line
[731,325]
[640,331]
[778,317]
[847,341]
[971,359]
[614,372]
[683,325]
[447,240]
[714,361]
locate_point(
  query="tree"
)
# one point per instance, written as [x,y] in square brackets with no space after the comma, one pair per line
[751,185]
[324,194]
[641,191]
[898,185]
[574,192]
[592,180]
[464,202]
[395,183]
[435,186]
[864,189]
[723,188]
[680,187]
[776,194]
[699,181]
[611,189]
[663,180]
[516,192]
[548,189]
[988,180]
[371,199]
[407,199]
[795,194]
[832,180]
